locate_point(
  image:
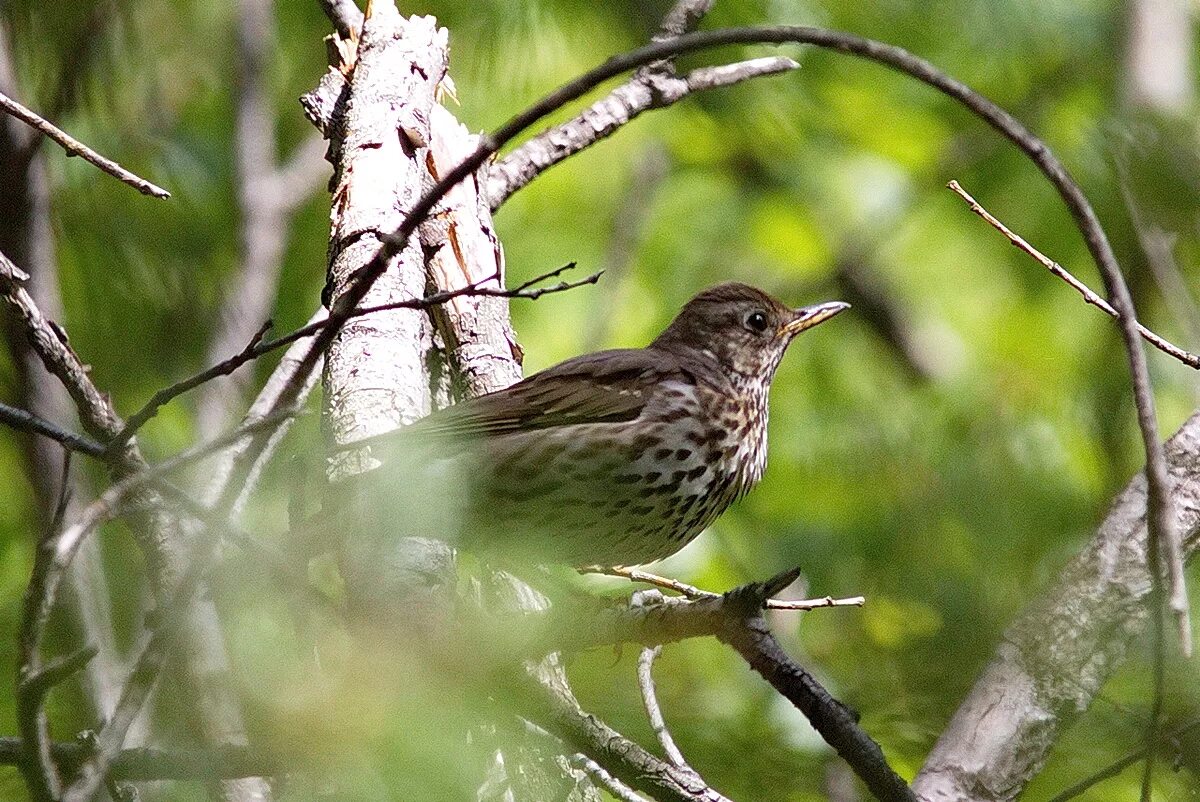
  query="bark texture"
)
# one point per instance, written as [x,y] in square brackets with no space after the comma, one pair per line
[1056,657]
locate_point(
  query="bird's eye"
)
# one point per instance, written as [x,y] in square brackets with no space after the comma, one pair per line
[757,322]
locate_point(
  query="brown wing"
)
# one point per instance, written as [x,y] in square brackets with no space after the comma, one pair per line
[605,387]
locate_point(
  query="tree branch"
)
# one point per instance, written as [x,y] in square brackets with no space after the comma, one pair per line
[24,421]
[646,91]
[1055,657]
[1168,348]
[693,592]
[74,147]
[735,619]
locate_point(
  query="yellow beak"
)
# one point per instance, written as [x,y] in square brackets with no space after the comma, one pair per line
[809,316]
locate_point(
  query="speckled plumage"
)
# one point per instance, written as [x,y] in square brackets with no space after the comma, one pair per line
[622,457]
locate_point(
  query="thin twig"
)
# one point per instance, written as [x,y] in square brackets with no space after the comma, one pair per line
[693,592]
[74,147]
[1118,766]
[601,776]
[24,421]
[653,709]
[1090,296]
[257,347]
[1170,537]
[151,407]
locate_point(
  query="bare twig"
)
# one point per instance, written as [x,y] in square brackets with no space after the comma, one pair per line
[28,422]
[1187,358]
[654,85]
[647,90]
[653,709]
[1118,766]
[693,592]
[601,776]
[74,147]
[257,347]
[150,408]
[1170,546]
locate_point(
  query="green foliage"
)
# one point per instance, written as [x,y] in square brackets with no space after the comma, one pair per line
[947,501]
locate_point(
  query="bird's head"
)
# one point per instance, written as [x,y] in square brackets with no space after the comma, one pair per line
[744,329]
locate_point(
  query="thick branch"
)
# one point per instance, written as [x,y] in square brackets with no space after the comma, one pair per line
[1057,656]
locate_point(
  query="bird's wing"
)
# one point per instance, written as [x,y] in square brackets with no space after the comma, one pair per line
[606,387]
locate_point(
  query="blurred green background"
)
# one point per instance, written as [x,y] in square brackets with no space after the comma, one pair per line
[942,452]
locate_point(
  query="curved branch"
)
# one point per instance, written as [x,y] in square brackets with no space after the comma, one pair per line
[888,55]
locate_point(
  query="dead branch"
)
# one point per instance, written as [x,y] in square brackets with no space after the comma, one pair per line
[74,147]
[257,347]
[646,91]
[25,421]
[1168,348]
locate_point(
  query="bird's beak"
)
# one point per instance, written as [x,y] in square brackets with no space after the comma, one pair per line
[808,316]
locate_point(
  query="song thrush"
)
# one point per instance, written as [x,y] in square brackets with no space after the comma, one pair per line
[618,457]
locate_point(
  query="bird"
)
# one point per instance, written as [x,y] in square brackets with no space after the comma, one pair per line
[615,458]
